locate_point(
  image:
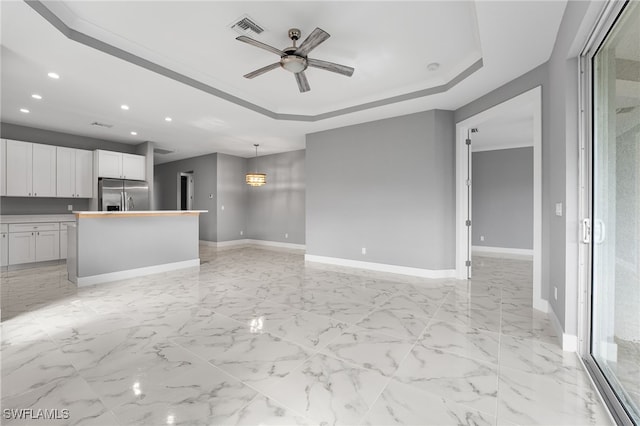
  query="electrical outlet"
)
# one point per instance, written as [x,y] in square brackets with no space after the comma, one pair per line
[286,235]
[222,208]
[555,292]
[70,207]
[364,250]
[481,237]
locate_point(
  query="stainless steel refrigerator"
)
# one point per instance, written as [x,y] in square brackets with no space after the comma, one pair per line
[122,195]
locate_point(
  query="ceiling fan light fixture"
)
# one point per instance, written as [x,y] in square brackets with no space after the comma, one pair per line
[293,63]
[256,179]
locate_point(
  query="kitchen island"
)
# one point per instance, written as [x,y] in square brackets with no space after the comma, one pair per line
[113,245]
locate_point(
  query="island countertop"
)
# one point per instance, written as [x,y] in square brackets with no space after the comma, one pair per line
[137,213]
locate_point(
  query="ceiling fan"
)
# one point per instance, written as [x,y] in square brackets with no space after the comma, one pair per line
[294,58]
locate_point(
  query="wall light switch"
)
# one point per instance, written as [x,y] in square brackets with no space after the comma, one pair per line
[364,250]
[70,207]
[286,235]
[558,209]
[222,208]
[241,232]
[481,237]
[555,293]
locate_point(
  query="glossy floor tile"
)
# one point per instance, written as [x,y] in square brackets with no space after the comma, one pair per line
[257,336]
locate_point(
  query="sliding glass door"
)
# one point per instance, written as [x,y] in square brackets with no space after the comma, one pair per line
[614,341]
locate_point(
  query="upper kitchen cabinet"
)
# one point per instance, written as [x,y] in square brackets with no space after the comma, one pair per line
[31,169]
[74,173]
[133,167]
[120,166]
[3,167]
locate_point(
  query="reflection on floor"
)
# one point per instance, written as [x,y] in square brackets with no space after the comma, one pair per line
[258,337]
[627,369]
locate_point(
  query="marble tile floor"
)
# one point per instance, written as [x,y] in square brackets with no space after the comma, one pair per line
[255,336]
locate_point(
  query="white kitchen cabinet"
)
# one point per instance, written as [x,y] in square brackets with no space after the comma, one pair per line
[109,164]
[74,173]
[84,173]
[3,167]
[4,245]
[121,166]
[47,245]
[33,242]
[44,170]
[22,247]
[19,169]
[31,169]
[133,167]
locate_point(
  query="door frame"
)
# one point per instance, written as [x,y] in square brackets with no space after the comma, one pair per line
[605,22]
[534,97]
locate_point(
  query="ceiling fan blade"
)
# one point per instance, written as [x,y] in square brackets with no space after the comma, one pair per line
[261,45]
[316,37]
[303,84]
[262,70]
[330,66]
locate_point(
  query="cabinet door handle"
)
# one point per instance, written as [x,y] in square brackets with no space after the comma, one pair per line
[35,193]
[29,194]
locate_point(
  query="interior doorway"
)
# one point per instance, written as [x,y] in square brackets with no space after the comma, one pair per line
[185,190]
[530,103]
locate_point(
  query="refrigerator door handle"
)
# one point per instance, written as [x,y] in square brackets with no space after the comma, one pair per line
[126,201]
[122,205]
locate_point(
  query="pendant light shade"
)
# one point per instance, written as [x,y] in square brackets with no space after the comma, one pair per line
[256,179]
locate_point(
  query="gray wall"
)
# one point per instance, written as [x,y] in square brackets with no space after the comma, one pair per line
[232,194]
[387,185]
[205,181]
[278,208]
[559,80]
[502,202]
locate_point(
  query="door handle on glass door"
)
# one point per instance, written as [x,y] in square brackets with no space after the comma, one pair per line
[599,232]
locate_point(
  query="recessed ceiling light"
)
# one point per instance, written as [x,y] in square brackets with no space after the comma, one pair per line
[24,110]
[433,66]
[134,133]
[36,96]
[168,119]
[53,75]
[124,107]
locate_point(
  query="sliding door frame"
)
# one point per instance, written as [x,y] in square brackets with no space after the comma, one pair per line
[604,25]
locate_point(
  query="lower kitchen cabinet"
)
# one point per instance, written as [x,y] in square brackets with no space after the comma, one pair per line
[47,245]
[22,247]
[4,249]
[30,243]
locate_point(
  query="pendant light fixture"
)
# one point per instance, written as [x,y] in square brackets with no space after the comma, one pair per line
[256,179]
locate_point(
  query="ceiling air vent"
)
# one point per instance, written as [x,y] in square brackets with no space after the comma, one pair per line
[245,25]
[162,151]
[106,126]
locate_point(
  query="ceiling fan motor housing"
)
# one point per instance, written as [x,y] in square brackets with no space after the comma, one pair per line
[293,63]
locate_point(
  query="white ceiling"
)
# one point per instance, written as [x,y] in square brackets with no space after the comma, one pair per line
[388,43]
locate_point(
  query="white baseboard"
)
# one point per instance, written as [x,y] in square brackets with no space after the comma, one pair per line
[250,242]
[277,244]
[540,305]
[132,273]
[224,244]
[504,252]
[568,342]
[383,267]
